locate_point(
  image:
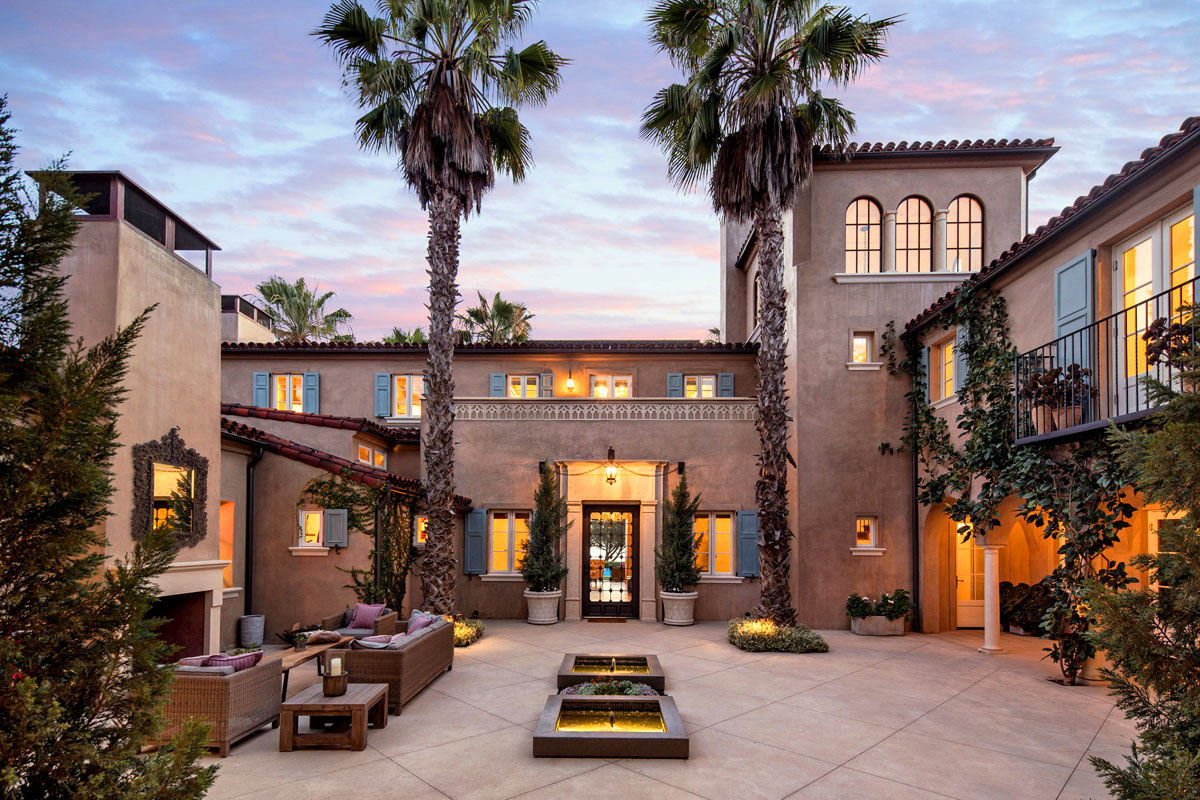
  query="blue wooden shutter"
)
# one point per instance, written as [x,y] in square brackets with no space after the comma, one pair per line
[1074,309]
[262,389]
[312,393]
[674,384]
[474,541]
[960,357]
[547,384]
[383,394]
[747,544]
[927,379]
[335,531]
[496,383]
[724,384]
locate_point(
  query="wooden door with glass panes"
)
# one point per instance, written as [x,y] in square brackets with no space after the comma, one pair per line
[969,580]
[610,561]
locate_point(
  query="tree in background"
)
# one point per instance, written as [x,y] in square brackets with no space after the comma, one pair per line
[401,336]
[543,568]
[748,118]
[675,560]
[438,81]
[1152,634]
[80,684]
[496,322]
[299,312]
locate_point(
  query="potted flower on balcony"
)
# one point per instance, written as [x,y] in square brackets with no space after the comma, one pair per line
[1056,396]
[883,618]
[675,560]
[542,567]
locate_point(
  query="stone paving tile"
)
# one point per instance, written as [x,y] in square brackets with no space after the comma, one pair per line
[721,652]
[879,706]
[255,764]
[701,706]
[472,674]
[535,665]
[432,718]
[845,783]
[807,732]
[906,683]
[383,779]
[678,668]
[609,782]
[517,703]
[749,681]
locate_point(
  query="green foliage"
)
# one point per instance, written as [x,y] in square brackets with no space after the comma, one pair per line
[611,687]
[675,559]
[467,632]
[765,636]
[82,688]
[401,336]
[499,321]
[1025,606]
[299,312]
[543,568]
[896,605]
[1152,637]
[858,607]
[394,538]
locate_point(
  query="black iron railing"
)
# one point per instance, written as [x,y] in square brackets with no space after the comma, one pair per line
[1096,375]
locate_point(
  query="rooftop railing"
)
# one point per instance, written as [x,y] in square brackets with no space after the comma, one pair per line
[1097,375]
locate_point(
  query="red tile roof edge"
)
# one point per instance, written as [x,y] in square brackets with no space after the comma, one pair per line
[1110,187]
[362,424]
[360,473]
[941,147]
[542,346]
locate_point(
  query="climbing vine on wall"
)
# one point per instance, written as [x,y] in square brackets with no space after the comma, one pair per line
[396,552]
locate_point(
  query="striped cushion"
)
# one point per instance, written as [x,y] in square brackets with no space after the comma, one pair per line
[238,662]
[365,615]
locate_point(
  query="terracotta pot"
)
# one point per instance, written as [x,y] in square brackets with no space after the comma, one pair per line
[1067,416]
[1090,671]
[679,608]
[877,626]
[543,607]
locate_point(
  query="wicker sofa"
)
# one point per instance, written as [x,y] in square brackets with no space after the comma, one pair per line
[406,670]
[388,624]
[233,706]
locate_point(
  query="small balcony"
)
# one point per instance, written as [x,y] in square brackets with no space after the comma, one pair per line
[1096,376]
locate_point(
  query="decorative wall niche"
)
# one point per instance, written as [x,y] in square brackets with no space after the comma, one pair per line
[170,483]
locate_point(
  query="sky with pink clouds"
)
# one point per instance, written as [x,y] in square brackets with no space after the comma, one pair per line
[234,117]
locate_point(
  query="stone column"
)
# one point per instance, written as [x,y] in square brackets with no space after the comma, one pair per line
[991,599]
[939,241]
[889,241]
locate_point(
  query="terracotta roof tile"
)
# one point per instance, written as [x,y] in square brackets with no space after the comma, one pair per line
[1188,133]
[535,346]
[408,435]
[941,147]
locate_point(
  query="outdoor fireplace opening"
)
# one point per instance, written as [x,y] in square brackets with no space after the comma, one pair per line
[184,626]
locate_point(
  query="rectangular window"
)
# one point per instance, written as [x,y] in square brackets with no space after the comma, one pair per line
[714,542]
[289,392]
[941,369]
[420,531]
[864,532]
[406,395]
[510,539]
[522,385]
[372,457]
[947,362]
[311,525]
[612,386]
[862,347]
[700,385]
[225,551]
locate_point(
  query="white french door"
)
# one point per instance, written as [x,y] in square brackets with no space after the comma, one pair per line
[969,580]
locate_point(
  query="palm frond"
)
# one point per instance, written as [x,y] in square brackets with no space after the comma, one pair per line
[351,31]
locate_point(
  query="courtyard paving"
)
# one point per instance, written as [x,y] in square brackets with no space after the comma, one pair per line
[897,718]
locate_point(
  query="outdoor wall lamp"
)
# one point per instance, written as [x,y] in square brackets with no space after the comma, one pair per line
[570,380]
[610,469]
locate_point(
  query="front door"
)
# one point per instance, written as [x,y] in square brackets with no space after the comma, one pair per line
[610,561]
[969,578]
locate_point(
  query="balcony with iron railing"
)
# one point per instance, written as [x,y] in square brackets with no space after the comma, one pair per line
[1096,376]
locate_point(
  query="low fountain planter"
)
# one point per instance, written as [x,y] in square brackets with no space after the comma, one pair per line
[877,626]
[585,667]
[610,726]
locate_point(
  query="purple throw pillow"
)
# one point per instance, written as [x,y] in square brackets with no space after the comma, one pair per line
[416,623]
[382,638]
[365,615]
[193,661]
[238,662]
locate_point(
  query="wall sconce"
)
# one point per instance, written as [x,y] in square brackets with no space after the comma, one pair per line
[570,380]
[610,469]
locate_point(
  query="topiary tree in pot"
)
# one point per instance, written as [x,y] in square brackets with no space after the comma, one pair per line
[675,559]
[543,568]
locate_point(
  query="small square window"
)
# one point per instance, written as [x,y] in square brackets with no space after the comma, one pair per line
[864,531]
[420,531]
[862,347]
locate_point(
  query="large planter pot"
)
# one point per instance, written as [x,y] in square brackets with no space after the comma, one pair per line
[679,608]
[877,626]
[1068,416]
[250,630]
[543,607]
[1090,671]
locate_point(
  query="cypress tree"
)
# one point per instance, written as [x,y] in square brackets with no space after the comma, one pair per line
[675,559]
[543,568]
[81,689]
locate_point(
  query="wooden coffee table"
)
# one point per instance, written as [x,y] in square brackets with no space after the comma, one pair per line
[348,714]
[292,658]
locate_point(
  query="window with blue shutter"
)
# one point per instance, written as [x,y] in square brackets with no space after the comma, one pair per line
[960,357]
[547,384]
[474,542]
[496,383]
[724,384]
[312,393]
[1074,308]
[334,528]
[674,384]
[383,394]
[926,378]
[262,389]
[747,544]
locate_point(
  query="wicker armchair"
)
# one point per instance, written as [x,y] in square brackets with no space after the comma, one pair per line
[233,706]
[407,670]
[387,624]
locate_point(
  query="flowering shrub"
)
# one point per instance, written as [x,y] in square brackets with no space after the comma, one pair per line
[467,631]
[896,605]
[859,607]
[626,688]
[763,635]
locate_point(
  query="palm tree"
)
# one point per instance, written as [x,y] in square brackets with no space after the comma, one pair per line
[401,336]
[500,321]
[438,81]
[299,312]
[747,119]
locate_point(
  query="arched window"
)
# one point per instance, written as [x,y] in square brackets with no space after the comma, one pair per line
[863,235]
[914,235]
[964,234]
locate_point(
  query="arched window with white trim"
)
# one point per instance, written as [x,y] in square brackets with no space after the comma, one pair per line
[914,235]
[964,234]
[864,236]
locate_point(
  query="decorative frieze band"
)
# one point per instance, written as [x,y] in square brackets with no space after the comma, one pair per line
[528,409]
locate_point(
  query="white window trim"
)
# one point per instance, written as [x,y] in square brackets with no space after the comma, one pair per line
[512,571]
[936,360]
[502,577]
[698,376]
[945,401]
[721,579]
[300,545]
[709,573]
[874,543]
[867,551]
[527,378]
[408,389]
[309,550]
[612,379]
[291,377]
[372,451]
[902,277]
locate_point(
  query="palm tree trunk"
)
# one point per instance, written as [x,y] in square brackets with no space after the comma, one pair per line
[438,570]
[775,600]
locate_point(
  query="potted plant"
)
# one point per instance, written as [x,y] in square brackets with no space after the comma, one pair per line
[883,618]
[675,560]
[542,567]
[1056,396]
[300,641]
